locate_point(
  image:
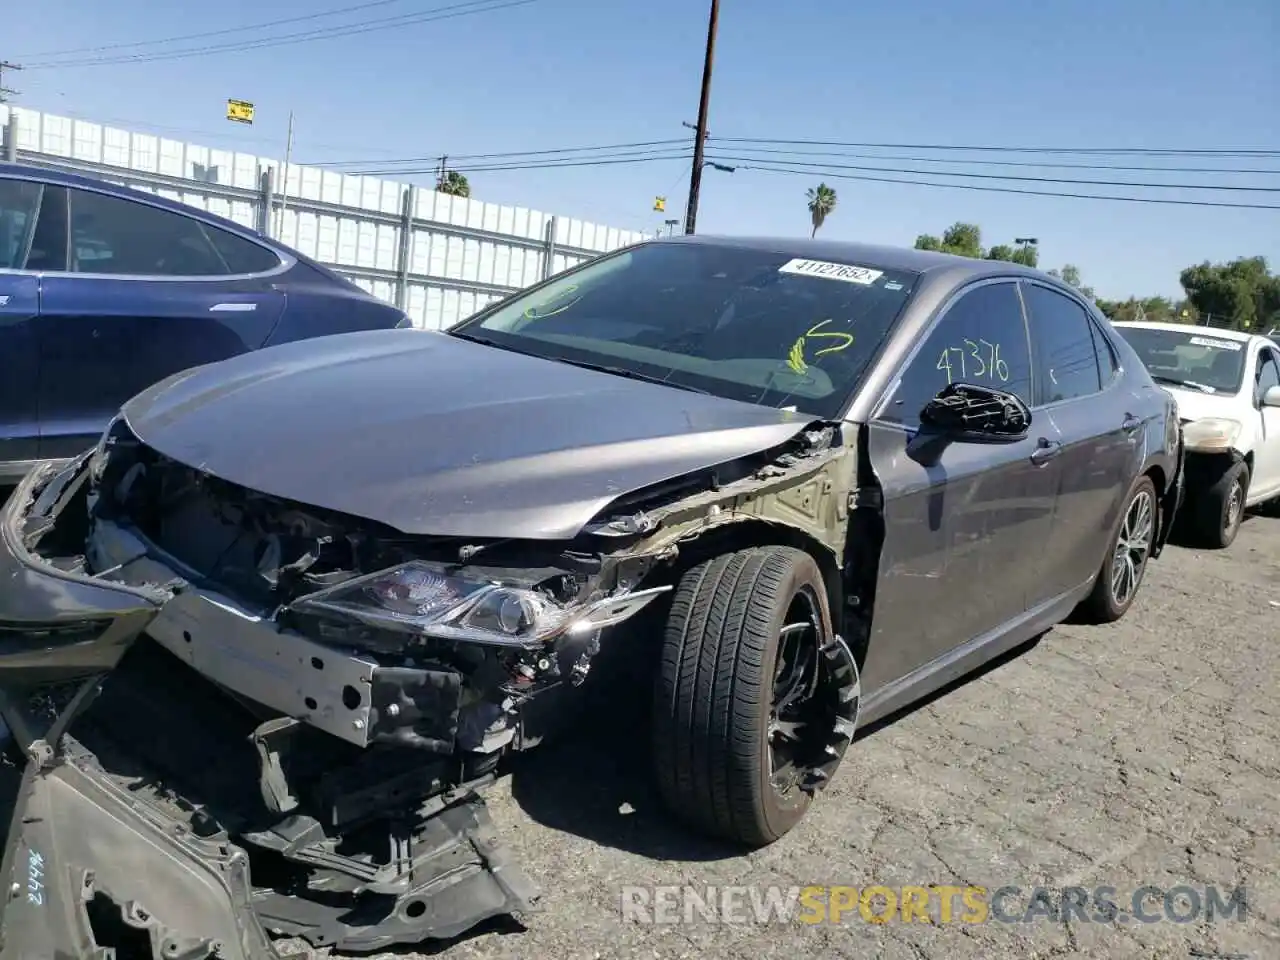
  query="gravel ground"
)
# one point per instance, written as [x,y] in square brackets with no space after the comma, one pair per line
[1147,752]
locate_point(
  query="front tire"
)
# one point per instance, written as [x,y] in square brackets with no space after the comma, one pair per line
[1128,552]
[756,698]
[1219,510]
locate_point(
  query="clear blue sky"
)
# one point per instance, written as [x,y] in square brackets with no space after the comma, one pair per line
[558,73]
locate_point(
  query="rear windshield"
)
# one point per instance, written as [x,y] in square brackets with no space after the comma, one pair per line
[1193,358]
[743,323]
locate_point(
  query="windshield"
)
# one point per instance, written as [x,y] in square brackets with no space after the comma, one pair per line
[742,323]
[1192,358]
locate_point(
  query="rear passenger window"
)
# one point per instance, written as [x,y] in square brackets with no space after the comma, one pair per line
[981,339]
[19,202]
[239,254]
[123,237]
[1062,345]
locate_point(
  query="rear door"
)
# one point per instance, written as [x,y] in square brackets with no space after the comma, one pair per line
[1084,397]
[146,292]
[19,305]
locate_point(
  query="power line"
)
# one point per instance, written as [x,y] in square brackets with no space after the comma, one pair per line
[513,153]
[755,152]
[1038,164]
[369,26]
[1118,151]
[516,165]
[1017,190]
[217,33]
[5,92]
[1025,179]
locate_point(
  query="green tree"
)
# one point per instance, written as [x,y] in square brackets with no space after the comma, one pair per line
[1070,274]
[1156,309]
[452,182]
[1242,294]
[822,203]
[965,240]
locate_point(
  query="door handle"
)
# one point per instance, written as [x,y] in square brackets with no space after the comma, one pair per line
[1131,423]
[1045,451]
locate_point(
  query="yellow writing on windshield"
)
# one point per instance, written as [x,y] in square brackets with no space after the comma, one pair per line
[976,360]
[556,303]
[795,356]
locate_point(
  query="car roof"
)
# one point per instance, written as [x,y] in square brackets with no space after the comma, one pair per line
[68,178]
[885,257]
[1218,332]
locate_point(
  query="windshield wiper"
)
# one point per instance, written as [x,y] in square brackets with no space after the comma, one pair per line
[585,364]
[631,374]
[1175,382]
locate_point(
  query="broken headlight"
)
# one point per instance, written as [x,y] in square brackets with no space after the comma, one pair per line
[429,600]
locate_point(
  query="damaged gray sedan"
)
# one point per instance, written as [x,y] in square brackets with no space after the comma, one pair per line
[262,649]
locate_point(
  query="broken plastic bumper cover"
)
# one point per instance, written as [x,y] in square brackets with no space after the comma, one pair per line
[86,852]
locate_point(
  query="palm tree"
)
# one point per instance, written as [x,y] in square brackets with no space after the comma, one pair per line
[822,201]
[453,182]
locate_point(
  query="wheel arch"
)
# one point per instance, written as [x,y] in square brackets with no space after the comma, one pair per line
[748,532]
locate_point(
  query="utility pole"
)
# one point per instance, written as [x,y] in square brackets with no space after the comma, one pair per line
[704,104]
[440,172]
[11,128]
[284,179]
[5,92]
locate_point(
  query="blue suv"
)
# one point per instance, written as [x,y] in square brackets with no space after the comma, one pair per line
[104,290]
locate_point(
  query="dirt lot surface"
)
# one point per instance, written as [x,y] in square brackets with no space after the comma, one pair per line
[1145,753]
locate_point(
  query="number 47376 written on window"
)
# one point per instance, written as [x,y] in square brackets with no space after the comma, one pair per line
[977,359]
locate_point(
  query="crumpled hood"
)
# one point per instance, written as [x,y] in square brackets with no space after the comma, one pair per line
[431,434]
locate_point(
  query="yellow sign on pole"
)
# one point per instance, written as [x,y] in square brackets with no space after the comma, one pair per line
[660,204]
[241,111]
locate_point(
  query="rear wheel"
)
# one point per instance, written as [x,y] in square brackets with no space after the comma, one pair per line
[756,698]
[1126,562]
[1219,510]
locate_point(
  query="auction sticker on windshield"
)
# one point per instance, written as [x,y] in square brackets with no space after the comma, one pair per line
[1217,344]
[832,271]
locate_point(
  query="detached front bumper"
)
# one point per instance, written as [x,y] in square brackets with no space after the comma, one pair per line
[57,626]
[80,852]
[86,853]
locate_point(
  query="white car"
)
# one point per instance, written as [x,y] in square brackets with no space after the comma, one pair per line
[1227,386]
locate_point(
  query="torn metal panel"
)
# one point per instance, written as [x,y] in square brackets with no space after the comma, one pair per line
[79,843]
[451,873]
[806,488]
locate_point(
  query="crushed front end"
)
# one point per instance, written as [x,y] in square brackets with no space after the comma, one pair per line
[269,721]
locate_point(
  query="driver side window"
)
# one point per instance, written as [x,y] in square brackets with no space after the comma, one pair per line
[1268,374]
[981,339]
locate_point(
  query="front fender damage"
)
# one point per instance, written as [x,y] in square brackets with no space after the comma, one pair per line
[355,825]
[116,841]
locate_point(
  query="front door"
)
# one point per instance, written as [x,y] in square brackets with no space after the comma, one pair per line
[147,292]
[967,524]
[1100,434]
[19,306]
[1266,456]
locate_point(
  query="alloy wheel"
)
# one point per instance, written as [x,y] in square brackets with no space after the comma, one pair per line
[815,697]
[1235,507]
[1133,546]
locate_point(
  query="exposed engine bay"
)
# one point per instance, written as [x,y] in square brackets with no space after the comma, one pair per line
[317,701]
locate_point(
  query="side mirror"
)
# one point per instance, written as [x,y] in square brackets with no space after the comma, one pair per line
[968,413]
[1272,397]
